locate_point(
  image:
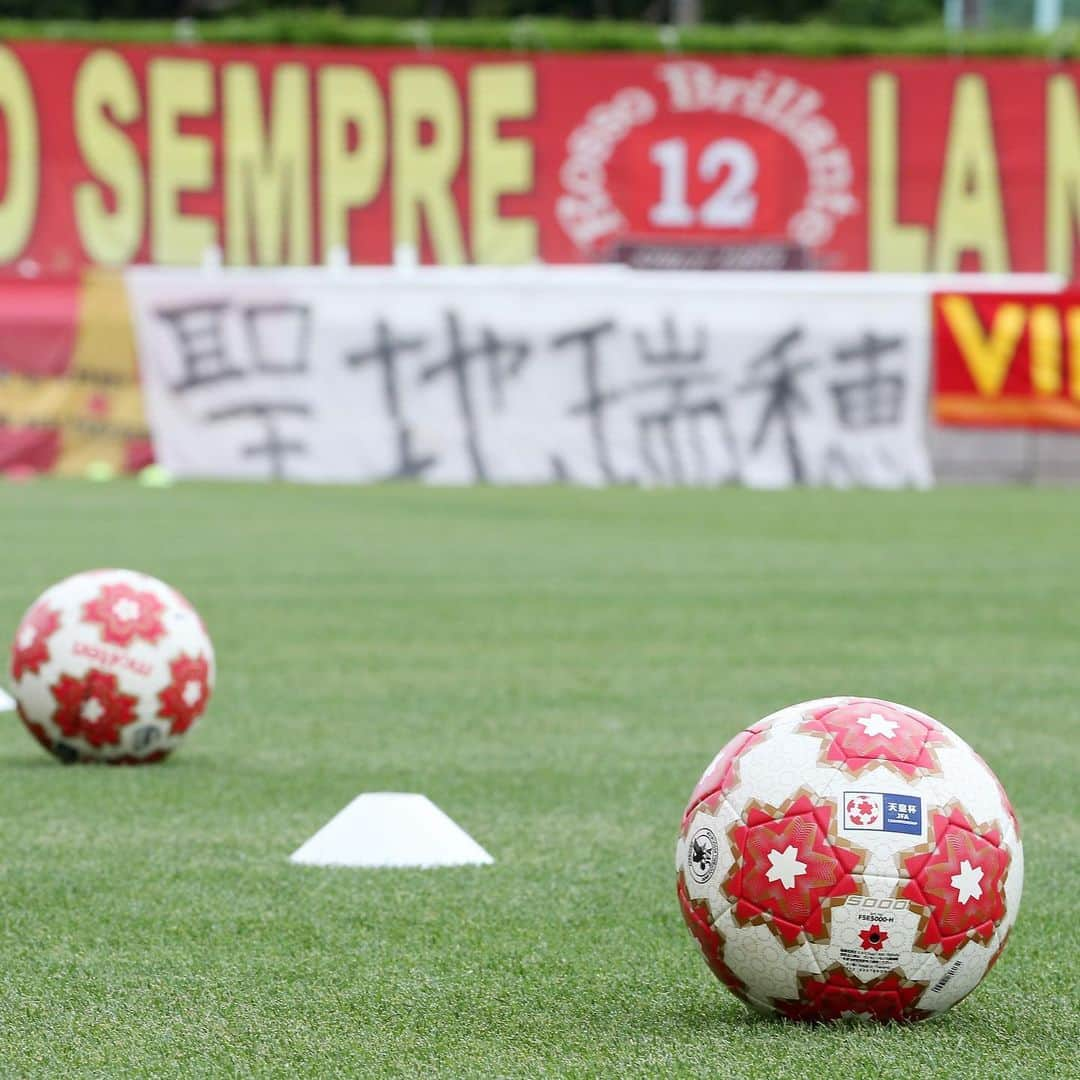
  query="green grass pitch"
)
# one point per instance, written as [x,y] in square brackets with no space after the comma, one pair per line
[554,668]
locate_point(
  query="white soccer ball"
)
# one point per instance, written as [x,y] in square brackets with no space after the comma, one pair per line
[113,666]
[849,857]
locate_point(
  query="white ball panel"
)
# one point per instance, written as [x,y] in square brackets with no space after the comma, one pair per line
[715,823]
[853,923]
[755,955]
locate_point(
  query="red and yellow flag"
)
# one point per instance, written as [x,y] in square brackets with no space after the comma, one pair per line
[69,383]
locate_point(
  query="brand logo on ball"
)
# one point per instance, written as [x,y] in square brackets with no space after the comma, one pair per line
[703,855]
[879,811]
[873,937]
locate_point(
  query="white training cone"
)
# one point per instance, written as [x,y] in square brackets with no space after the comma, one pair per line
[390,828]
[7,702]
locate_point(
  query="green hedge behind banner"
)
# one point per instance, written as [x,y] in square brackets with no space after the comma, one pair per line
[541,35]
[859,12]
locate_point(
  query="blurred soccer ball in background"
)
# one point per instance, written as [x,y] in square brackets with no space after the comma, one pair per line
[113,666]
[849,857]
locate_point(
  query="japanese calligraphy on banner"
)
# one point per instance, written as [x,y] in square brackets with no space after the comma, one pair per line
[116,154]
[1007,360]
[534,376]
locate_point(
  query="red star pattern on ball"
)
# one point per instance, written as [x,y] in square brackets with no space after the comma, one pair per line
[873,937]
[92,707]
[787,870]
[124,613]
[723,774]
[184,700]
[960,883]
[31,647]
[837,995]
[697,918]
[865,732]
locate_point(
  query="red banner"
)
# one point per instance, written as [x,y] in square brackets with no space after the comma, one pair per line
[115,154]
[1007,360]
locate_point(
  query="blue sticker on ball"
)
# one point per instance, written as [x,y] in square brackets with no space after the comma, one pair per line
[880,811]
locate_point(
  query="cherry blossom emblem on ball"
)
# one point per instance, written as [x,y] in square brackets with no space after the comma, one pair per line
[849,857]
[113,666]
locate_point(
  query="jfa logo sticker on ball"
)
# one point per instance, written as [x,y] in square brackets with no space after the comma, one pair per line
[879,811]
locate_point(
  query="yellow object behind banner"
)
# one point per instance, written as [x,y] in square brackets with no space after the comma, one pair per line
[96,406]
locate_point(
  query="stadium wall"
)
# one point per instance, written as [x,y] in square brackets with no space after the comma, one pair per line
[161,153]
[558,374]
[175,155]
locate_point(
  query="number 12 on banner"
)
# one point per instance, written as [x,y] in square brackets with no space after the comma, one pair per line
[732,205]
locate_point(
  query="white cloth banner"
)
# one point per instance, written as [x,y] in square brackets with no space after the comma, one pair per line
[591,376]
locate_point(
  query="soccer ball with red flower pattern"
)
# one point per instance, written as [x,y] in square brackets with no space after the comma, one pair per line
[849,857]
[111,665]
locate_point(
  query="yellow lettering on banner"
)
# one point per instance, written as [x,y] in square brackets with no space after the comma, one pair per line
[1044,334]
[892,246]
[179,162]
[987,358]
[970,215]
[267,173]
[105,97]
[500,166]
[1072,331]
[19,199]
[424,97]
[349,100]
[1062,173]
